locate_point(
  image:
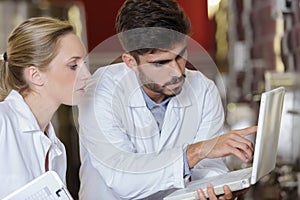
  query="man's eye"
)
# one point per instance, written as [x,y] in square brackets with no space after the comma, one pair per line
[157,64]
[160,63]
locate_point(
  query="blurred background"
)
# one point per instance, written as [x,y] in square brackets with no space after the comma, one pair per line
[255,45]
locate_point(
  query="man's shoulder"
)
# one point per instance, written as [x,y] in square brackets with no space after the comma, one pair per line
[195,76]
[112,76]
[111,71]
[117,67]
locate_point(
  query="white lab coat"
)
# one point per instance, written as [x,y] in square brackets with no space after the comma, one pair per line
[123,154]
[23,146]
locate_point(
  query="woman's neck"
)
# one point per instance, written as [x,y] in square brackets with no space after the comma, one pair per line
[41,107]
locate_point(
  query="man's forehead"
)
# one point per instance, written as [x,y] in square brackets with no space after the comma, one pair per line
[149,38]
[162,55]
[175,49]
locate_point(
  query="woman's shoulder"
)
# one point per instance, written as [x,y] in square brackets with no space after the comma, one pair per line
[5,109]
[6,117]
[9,108]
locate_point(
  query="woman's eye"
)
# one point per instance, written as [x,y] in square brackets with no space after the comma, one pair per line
[73,67]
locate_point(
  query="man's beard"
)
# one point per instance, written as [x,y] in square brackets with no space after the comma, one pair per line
[151,85]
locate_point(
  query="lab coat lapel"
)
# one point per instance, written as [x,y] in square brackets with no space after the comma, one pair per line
[174,117]
[144,125]
[171,120]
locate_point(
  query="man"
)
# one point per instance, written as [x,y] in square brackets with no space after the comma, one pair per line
[148,125]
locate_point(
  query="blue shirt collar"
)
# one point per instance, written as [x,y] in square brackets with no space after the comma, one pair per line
[150,103]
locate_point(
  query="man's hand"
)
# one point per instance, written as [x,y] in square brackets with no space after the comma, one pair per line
[228,195]
[233,142]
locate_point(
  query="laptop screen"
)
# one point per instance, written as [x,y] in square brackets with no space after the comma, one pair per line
[267,136]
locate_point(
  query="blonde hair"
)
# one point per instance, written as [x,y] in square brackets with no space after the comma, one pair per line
[33,43]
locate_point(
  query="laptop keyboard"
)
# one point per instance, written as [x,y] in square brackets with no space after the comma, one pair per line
[223,178]
[43,194]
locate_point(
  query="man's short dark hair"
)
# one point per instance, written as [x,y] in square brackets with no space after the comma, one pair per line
[143,16]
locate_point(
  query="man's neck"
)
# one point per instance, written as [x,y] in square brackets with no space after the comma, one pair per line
[155,96]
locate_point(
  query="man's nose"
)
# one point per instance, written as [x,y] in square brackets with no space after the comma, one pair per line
[175,69]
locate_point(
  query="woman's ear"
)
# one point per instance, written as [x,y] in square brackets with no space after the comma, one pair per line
[34,76]
[129,60]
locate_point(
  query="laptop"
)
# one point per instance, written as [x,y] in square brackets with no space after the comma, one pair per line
[265,152]
[48,186]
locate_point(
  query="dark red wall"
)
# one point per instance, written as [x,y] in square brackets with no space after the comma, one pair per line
[202,27]
[100,16]
[100,20]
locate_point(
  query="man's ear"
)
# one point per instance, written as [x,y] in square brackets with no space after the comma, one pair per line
[34,76]
[129,60]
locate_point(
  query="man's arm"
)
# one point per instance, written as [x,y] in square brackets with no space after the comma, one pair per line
[233,142]
[210,146]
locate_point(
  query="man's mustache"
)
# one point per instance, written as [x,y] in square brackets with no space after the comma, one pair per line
[175,80]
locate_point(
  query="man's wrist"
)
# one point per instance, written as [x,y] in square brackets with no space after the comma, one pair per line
[193,154]
[186,168]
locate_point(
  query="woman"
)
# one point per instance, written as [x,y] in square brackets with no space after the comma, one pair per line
[42,68]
